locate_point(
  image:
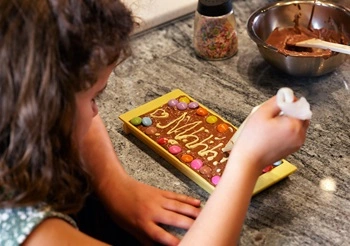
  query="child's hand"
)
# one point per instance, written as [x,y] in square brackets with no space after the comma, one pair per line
[136,207]
[144,208]
[268,137]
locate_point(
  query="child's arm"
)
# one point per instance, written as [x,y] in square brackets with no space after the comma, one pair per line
[137,207]
[266,138]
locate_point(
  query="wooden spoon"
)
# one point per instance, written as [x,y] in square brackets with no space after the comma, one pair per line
[321,44]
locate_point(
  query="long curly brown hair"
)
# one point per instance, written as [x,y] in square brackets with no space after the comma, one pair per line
[49,50]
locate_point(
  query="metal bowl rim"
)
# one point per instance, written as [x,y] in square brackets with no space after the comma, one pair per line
[261,10]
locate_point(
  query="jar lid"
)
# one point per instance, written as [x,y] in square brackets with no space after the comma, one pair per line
[214,7]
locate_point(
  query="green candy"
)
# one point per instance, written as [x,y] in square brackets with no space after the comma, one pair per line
[136,121]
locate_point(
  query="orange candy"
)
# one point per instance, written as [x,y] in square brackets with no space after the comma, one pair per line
[186,158]
[202,111]
[222,127]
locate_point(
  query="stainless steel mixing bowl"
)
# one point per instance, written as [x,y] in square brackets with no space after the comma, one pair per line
[282,14]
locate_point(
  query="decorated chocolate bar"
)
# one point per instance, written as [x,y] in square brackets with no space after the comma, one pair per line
[192,138]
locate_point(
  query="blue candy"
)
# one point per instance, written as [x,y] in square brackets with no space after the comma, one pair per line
[146,121]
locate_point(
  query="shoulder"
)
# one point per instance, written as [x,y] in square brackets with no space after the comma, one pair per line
[55,231]
[22,224]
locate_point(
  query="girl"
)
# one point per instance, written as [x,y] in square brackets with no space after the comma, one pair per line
[56,57]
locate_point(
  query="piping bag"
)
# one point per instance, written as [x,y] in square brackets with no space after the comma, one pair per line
[299,109]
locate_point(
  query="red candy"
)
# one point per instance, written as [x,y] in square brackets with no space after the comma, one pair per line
[162,141]
[268,169]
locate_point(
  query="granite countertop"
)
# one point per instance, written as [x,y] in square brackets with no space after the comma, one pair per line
[295,211]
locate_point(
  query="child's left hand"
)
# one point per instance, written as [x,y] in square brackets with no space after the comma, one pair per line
[141,209]
[136,207]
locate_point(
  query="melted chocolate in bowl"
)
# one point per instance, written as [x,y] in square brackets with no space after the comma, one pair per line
[327,19]
[284,39]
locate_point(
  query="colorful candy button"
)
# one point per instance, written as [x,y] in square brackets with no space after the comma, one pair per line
[211,119]
[196,164]
[184,99]
[162,141]
[277,163]
[181,106]
[172,102]
[202,111]
[186,158]
[223,127]
[151,130]
[215,180]
[268,169]
[174,149]
[205,170]
[193,105]
[136,121]
[146,121]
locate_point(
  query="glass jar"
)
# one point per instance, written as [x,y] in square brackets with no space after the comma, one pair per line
[215,36]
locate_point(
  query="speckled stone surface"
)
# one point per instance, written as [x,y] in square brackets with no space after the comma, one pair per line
[296,211]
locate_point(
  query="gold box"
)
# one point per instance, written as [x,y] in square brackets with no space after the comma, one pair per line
[264,181]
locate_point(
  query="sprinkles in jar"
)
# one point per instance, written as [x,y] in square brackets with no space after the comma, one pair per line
[215,36]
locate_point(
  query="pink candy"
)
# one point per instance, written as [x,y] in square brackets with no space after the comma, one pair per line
[196,164]
[215,180]
[174,149]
